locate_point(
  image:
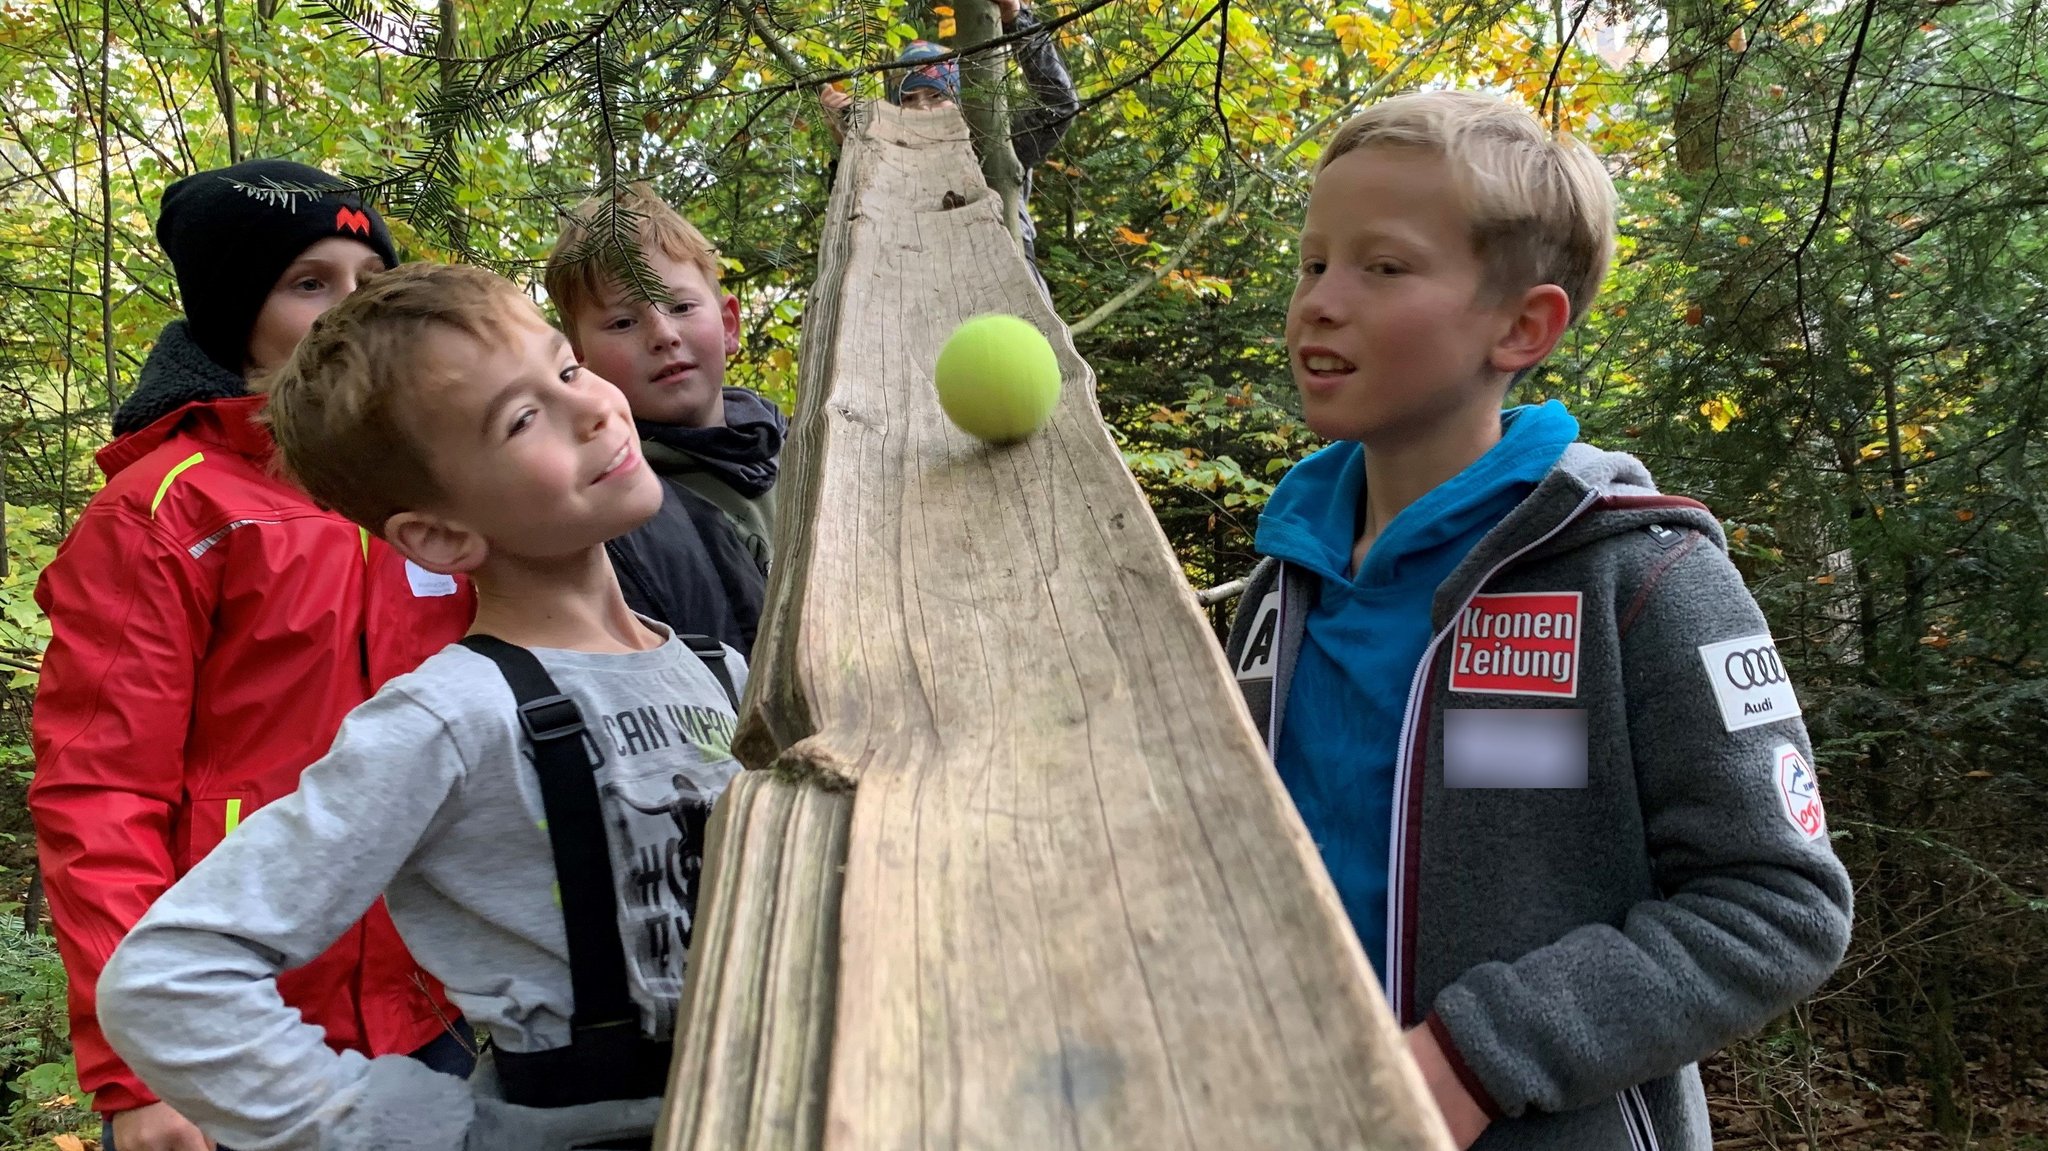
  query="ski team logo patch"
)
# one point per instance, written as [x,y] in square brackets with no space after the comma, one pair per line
[1256,661]
[1800,792]
[1518,643]
[1749,681]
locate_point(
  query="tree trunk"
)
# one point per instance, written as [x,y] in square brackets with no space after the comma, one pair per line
[986,105]
[100,124]
[1696,108]
[266,11]
[1947,1078]
[224,80]
[445,53]
[1011,869]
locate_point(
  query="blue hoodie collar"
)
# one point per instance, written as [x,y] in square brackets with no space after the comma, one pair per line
[1312,518]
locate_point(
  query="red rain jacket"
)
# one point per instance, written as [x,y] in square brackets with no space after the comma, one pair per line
[210,628]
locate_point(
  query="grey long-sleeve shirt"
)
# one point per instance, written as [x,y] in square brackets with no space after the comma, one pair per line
[427,797]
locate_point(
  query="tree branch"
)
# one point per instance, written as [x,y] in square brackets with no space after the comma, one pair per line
[227,81]
[1563,45]
[107,204]
[1216,84]
[789,61]
[986,107]
[1827,186]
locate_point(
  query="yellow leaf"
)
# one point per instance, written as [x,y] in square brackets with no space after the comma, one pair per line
[1720,412]
[946,27]
[1826,579]
[68,1142]
[1130,237]
[942,10]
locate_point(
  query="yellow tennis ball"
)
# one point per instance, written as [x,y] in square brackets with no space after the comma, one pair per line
[997,378]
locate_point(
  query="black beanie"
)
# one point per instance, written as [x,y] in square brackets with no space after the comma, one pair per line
[231,232]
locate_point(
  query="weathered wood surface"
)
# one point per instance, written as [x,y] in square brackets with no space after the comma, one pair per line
[1014,871]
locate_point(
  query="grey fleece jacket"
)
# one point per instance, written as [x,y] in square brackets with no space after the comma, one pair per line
[1609,856]
[428,797]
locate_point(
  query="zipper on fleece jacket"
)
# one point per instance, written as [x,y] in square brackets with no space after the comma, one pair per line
[1400,880]
[629,572]
[1635,1115]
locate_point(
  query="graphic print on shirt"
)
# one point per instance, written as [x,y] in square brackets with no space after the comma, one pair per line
[1518,643]
[660,768]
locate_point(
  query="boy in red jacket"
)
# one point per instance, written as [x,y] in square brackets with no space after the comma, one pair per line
[211,626]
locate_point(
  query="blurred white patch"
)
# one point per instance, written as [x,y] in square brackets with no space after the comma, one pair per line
[1514,747]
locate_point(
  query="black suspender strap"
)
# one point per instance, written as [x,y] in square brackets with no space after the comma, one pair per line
[712,654]
[583,866]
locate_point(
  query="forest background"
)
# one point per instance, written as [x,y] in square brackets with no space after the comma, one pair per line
[1826,323]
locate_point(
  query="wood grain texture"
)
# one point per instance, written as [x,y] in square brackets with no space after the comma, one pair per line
[1001,763]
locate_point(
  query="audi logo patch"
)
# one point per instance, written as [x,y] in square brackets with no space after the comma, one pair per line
[1749,681]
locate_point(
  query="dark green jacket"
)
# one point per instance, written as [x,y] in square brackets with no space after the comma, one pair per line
[701,564]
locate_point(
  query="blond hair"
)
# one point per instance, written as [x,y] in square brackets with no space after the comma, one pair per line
[343,406]
[1541,204]
[593,253]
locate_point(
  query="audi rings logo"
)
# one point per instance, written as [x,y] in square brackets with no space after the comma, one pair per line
[1754,667]
[1749,681]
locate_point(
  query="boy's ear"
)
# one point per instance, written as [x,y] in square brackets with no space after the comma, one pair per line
[729,312]
[436,544]
[1538,322]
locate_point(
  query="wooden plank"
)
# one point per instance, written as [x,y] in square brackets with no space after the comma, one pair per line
[1006,771]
